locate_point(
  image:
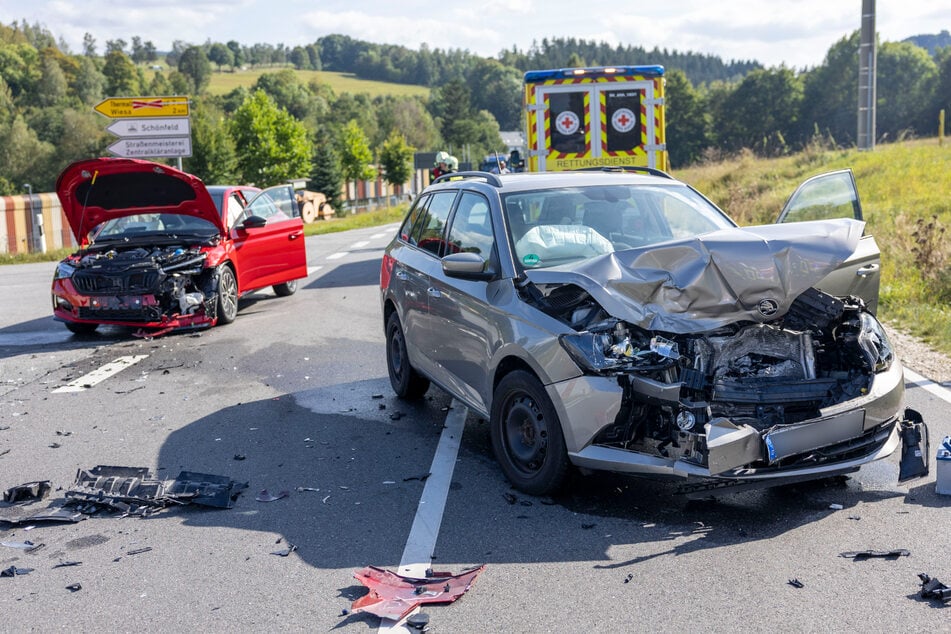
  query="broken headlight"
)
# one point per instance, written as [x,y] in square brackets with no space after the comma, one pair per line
[874,343]
[64,271]
[587,350]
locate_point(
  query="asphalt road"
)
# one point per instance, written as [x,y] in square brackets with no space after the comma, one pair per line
[297,387]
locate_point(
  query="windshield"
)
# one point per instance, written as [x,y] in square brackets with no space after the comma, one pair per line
[550,227]
[151,225]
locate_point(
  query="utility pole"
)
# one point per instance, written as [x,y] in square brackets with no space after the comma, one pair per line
[867,64]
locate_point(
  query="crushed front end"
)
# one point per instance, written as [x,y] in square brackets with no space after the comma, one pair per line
[814,392]
[144,286]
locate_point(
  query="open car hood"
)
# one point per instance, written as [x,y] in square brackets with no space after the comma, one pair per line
[705,282]
[96,190]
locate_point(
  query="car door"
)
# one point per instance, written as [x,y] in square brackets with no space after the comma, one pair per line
[834,195]
[269,240]
[464,327]
[416,264]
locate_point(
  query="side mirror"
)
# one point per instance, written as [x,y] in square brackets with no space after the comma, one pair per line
[253,222]
[470,266]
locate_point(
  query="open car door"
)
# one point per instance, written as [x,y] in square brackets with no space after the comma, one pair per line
[834,195]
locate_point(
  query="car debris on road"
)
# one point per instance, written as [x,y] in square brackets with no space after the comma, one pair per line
[394,596]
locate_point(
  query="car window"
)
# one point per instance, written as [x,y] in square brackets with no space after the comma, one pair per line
[234,205]
[274,204]
[428,231]
[824,197]
[471,230]
[559,225]
[412,218]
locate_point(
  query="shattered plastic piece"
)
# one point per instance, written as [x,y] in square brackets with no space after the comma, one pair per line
[836,507]
[859,555]
[931,588]
[74,587]
[302,489]
[419,621]
[132,490]
[139,551]
[914,447]
[31,491]
[628,578]
[65,564]
[421,478]
[265,496]
[27,545]
[393,596]
[796,583]
[240,456]
[13,571]
[287,551]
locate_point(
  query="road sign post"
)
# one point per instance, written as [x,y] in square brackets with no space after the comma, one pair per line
[148,127]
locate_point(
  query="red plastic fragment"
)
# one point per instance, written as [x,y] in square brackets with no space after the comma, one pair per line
[393,596]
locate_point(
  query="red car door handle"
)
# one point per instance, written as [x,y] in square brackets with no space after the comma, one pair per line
[295,235]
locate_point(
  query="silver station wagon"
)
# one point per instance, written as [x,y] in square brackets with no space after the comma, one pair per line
[620,321]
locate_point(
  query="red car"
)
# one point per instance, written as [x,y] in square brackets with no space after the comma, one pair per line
[156,253]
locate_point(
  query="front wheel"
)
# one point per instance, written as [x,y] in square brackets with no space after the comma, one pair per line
[406,381]
[227,295]
[81,329]
[286,289]
[526,435]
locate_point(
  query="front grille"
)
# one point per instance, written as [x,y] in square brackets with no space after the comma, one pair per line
[147,313]
[134,283]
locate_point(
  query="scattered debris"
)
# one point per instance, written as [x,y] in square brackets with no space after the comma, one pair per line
[796,583]
[74,587]
[421,478]
[377,396]
[393,596]
[54,445]
[419,621]
[326,497]
[13,571]
[628,578]
[931,588]
[240,456]
[836,507]
[287,551]
[65,564]
[943,468]
[854,517]
[139,551]
[133,491]
[4,452]
[511,499]
[266,496]
[31,491]
[859,555]
[27,546]
[302,489]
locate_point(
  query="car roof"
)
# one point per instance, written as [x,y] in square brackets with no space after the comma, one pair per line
[525,181]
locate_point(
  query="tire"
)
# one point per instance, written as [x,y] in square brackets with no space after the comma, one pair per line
[227,295]
[286,289]
[81,329]
[308,212]
[406,381]
[526,435]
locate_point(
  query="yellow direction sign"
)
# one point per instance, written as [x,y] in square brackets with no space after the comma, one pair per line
[127,107]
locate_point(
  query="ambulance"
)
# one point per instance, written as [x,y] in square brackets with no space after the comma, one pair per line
[578,118]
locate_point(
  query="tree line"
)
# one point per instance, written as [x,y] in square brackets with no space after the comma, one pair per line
[282,127]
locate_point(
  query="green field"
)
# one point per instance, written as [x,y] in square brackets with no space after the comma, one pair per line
[224,82]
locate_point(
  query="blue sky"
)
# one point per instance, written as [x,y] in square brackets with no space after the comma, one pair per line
[796,33]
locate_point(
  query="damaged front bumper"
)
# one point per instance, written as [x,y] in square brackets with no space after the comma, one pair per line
[844,438]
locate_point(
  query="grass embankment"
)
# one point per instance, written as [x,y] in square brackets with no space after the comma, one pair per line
[345,222]
[905,190]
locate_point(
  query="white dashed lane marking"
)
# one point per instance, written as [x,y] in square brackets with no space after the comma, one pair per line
[101,374]
[359,245]
[338,255]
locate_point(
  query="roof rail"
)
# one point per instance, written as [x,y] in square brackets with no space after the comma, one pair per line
[653,171]
[491,179]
